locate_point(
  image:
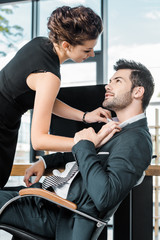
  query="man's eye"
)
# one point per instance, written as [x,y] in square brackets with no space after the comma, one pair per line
[87,51]
[117,80]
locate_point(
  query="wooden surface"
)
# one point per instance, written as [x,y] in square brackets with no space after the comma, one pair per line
[19,170]
[153,170]
[48,195]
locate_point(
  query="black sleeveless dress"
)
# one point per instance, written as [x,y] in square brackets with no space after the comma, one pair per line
[16,97]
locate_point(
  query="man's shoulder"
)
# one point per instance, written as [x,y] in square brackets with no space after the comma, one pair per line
[139,128]
[136,132]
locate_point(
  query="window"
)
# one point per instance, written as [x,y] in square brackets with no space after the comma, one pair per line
[133,34]
[19,25]
[13,20]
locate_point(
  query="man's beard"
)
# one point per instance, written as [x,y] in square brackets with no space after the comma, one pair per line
[118,103]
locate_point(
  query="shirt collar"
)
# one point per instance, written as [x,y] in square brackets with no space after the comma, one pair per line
[133,119]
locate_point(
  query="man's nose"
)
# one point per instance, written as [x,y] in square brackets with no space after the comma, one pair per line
[107,87]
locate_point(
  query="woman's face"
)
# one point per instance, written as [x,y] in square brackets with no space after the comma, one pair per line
[80,53]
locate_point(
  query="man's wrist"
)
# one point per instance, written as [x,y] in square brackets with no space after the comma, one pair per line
[42,159]
[83,144]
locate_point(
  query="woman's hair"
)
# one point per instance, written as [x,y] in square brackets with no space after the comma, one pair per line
[74,25]
[140,76]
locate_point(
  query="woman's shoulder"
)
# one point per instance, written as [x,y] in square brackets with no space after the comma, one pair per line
[36,48]
[41,39]
[38,41]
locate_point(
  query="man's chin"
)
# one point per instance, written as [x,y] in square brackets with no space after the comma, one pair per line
[106,104]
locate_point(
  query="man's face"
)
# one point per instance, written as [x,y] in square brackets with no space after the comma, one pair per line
[118,92]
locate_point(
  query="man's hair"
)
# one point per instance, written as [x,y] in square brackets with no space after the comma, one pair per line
[74,25]
[140,76]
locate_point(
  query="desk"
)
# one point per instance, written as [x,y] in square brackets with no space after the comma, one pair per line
[18,169]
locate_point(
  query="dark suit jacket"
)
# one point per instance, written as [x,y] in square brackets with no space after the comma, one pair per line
[104,180]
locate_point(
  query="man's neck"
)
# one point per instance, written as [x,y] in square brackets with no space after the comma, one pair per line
[125,114]
[132,119]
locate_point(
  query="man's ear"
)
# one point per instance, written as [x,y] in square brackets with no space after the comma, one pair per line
[66,45]
[138,92]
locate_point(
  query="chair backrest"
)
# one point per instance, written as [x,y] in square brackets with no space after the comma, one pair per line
[85,98]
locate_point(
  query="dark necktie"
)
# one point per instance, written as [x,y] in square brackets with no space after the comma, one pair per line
[55,181]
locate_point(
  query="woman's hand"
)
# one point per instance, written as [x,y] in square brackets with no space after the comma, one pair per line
[37,169]
[98,115]
[100,138]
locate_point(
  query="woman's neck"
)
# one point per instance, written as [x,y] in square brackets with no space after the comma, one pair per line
[60,53]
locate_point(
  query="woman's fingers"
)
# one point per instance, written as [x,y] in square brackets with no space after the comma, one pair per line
[98,115]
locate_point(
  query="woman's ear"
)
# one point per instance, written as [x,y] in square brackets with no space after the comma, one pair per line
[66,45]
[138,92]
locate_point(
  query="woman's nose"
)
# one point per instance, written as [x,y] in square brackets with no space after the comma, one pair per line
[92,54]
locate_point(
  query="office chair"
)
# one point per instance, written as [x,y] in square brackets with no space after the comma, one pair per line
[92,98]
[86,98]
[20,234]
[99,232]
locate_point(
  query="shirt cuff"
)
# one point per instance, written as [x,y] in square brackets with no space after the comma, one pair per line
[41,158]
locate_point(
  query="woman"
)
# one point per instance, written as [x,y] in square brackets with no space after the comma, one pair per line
[31,80]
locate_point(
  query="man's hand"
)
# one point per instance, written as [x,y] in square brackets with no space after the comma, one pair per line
[100,138]
[37,169]
[107,131]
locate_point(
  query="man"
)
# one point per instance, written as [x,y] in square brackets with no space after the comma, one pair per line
[110,162]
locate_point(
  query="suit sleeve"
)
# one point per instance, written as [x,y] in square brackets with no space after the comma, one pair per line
[108,185]
[58,160]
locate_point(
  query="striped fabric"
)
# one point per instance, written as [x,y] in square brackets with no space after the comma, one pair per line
[55,181]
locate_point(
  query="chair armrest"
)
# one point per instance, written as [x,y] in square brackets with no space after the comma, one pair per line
[52,197]
[49,196]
